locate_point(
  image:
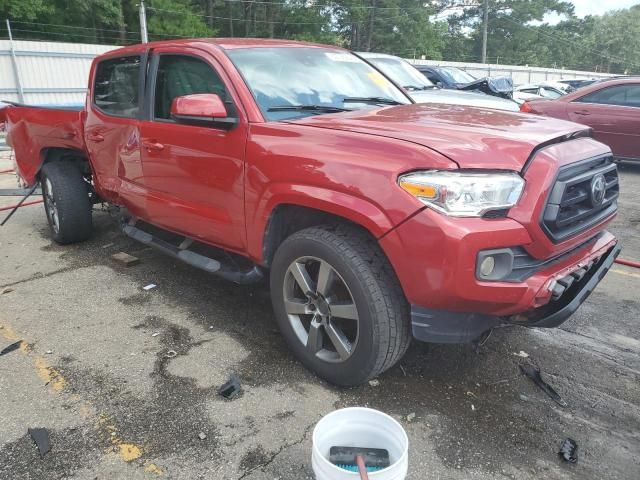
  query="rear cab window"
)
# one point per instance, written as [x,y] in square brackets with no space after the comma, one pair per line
[116,89]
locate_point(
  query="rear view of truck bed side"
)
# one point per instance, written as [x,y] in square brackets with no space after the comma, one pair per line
[37,132]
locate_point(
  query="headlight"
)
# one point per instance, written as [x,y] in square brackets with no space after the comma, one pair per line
[461,193]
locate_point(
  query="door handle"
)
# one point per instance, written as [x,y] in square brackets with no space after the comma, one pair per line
[582,112]
[153,146]
[95,137]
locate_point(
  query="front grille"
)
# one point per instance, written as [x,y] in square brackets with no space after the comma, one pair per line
[584,194]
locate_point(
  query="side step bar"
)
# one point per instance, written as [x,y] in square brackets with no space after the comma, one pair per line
[194,259]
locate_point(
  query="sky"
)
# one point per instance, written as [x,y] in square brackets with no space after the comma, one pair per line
[598,7]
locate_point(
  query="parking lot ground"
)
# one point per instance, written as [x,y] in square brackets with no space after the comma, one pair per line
[95,369]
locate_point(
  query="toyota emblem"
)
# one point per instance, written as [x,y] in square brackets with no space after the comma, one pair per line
[598,187]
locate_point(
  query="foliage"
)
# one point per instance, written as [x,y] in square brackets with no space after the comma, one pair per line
[518,30]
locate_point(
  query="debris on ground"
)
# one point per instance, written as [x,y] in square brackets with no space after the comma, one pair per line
[202,436]
[473,407]
[149,287]
[522,354]
[41,438]
[6,290]
[126,259]
[533,373]
[411,416]
[11,348]
[49,352]
[170,354]
[231,389]
[374,383]
[155,334]
[108,245]
[569,451]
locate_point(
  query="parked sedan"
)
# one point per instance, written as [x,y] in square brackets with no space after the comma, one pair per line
[533,91]
[423,91]
[446,77]
[610,108]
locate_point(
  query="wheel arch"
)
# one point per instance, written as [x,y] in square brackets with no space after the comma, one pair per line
[63,154]
[316,207]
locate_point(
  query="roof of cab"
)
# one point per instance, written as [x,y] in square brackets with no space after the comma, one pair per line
[223,43]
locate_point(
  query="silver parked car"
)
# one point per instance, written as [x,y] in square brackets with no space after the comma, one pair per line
[423,91]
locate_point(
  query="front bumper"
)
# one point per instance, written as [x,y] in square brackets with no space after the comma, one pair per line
[454,327]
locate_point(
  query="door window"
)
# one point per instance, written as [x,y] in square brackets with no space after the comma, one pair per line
[622,95]
[116,88]
[180,75]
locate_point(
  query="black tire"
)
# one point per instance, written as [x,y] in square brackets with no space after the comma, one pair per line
[67,203]
[383,316]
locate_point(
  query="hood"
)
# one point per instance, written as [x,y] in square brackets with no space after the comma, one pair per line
[456,97]
[471,137]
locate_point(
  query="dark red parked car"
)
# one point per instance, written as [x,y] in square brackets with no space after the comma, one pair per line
[611,108]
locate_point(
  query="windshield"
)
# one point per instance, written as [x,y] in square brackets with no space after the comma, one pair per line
[298,76]
[548,92]
[401,72]
[455,75]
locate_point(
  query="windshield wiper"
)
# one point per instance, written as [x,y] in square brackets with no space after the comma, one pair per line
[374,100]
[310,108]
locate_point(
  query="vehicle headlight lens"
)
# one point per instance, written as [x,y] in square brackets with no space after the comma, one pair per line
[464,193]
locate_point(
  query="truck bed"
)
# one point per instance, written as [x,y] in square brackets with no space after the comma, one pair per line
[32,129]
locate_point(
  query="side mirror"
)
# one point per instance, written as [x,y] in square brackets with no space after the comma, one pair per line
[201,109]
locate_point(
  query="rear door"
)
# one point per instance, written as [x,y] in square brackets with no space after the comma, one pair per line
[193,174]
[614,114]
[112,124]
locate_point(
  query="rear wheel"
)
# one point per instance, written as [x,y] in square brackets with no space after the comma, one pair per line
[66,201]
[339,304]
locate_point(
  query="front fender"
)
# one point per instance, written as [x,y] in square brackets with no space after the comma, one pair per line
[350,207]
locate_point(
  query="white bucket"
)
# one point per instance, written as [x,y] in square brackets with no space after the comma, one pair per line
[359,427]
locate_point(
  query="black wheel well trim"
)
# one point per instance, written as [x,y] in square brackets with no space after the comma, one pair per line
[286,219]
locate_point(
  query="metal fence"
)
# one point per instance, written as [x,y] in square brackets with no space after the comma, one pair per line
[519,74]
[56,73]
[46,72]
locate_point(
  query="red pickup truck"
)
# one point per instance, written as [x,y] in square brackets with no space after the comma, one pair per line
[377,219]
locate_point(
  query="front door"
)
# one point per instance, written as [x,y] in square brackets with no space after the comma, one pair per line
[193,174]
[614,114]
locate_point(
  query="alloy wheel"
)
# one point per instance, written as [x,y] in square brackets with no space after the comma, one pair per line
[321,309]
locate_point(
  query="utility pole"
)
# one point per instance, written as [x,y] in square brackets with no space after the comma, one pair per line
[485,29]
[14,64]
[143,23]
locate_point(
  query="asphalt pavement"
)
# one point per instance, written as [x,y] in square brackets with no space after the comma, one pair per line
[125,379]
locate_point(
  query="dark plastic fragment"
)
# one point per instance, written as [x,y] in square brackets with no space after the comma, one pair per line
[11,348]
[232,388]
[41,437]
[569,451]
[533,373]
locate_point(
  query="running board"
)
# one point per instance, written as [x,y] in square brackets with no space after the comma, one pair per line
[194,259]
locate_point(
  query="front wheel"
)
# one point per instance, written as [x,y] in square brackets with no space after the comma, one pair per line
[66,201]
[338,304]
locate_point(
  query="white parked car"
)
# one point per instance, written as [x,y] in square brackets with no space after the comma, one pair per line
[423,91]
[530,91]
